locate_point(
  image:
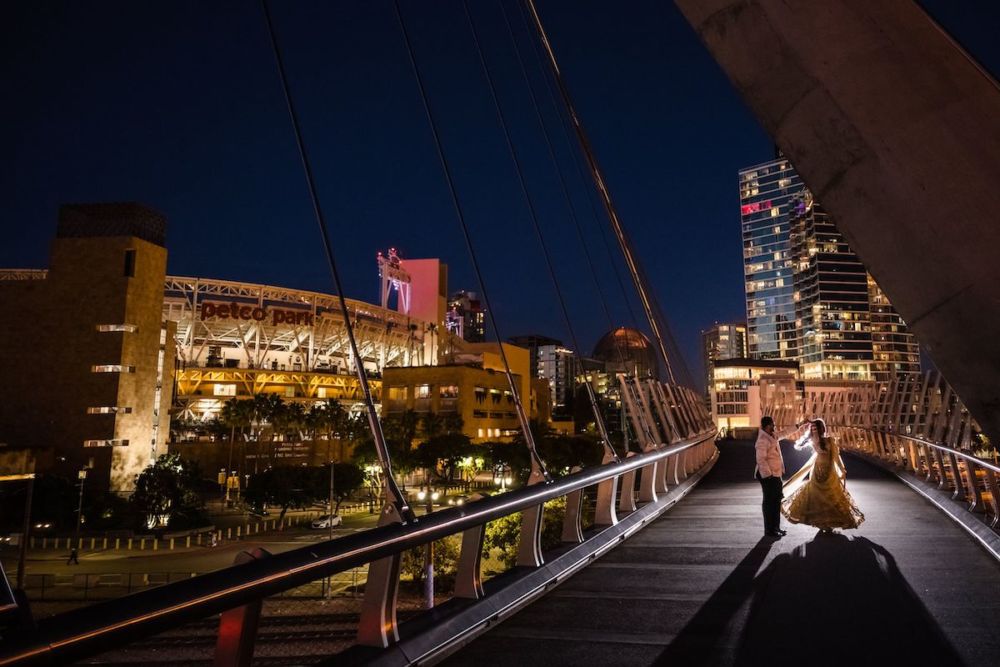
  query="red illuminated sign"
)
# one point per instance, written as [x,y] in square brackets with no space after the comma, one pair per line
[755,207]
[240,311]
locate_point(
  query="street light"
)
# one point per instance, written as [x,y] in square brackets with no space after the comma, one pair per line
[429,497]
[82,476]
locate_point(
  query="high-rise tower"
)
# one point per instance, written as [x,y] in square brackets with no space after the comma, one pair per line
[766,193]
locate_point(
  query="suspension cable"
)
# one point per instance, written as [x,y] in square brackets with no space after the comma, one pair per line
[623,242]
[518,404]
[394,496]
[588,188]
[591,396]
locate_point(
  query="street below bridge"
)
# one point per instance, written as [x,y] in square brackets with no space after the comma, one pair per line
[702,586]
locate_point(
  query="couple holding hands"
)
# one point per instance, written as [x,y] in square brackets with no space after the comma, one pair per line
[821,500]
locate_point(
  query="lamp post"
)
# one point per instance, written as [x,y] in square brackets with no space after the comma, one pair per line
[82,476]
[429,497]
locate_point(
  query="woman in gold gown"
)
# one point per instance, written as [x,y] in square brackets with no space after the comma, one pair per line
[822,501]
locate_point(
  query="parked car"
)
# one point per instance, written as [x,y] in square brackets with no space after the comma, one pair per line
[327,521]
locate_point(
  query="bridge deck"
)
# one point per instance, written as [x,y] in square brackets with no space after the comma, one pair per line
[702,587]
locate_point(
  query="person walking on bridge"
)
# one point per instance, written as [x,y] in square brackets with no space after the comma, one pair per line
[770,468]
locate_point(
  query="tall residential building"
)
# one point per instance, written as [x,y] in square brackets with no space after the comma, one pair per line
[832,313]
[722,341]
[766,193]
[894,348]
[532,343]
[466,316]
[558,367]
[809,297]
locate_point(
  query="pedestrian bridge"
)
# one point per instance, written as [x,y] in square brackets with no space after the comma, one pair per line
[674,571]
[700,586]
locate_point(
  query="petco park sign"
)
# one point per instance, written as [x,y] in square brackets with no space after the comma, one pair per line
[242,311]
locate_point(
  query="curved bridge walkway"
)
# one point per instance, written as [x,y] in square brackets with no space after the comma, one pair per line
[700,586]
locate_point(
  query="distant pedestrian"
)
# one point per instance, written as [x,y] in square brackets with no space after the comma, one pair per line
[215,539]
[72,556]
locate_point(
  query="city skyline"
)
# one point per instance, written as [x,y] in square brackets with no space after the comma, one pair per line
[196,129]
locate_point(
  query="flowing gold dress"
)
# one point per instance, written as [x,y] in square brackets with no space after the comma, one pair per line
[823,501]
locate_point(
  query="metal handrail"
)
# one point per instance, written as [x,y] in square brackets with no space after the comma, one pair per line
[936,445]
[91,630]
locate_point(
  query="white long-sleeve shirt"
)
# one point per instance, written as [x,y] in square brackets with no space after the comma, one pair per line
[769,461]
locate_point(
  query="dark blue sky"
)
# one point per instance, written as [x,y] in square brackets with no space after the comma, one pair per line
[178,105]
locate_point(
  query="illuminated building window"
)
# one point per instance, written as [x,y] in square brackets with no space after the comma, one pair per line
[480,432]
[112,368]
[114,442]
[109,410]
[224,390]
[129,328]
[448,391]
[422,391]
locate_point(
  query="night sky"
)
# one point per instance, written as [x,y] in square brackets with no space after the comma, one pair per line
[178,105]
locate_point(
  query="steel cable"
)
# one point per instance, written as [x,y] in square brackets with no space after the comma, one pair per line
[453,192]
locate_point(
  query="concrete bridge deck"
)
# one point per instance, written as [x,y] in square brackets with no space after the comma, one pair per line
[701,586]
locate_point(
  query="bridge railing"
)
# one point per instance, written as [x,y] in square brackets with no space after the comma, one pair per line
[238,592]
[970,479]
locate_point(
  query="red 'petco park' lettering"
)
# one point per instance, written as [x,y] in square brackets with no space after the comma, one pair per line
[241,311]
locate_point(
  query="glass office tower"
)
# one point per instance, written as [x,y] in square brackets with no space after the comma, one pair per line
[766,193]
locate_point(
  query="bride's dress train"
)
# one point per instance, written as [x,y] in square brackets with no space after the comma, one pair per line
[822,501]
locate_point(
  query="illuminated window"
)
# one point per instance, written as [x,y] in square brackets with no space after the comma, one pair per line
[422,391]
[448,391]
[112,368]
[130,328]
[397,393]
[225,390]
[115,442]
[480,432]
[109,410]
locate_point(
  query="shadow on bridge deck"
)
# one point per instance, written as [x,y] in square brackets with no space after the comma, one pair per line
[701,587]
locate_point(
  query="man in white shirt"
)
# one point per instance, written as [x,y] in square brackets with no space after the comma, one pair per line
[770,468]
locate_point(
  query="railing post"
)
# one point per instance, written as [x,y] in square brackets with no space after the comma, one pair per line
[238,627]
[942,475]
[626,499]
[377,626]
[647,483]
[991,484]
[975,498]
[956,475]
[674,464]
[604,512]
[529,551]
[469,578]
[661,476]
[573,521]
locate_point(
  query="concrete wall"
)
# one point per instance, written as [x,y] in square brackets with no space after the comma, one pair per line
[897,133]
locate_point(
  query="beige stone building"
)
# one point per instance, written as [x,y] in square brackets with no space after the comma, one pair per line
[87,358]
[475,386]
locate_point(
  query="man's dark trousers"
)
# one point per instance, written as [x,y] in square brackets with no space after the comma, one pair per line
[771,486]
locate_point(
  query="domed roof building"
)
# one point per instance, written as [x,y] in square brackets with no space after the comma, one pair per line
[626,350]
